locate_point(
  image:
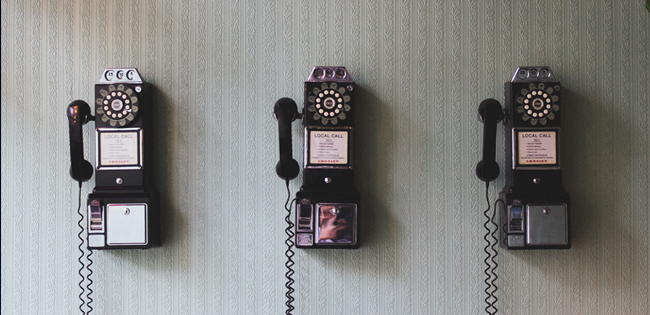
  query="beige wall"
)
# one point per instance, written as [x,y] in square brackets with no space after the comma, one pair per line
[423,67]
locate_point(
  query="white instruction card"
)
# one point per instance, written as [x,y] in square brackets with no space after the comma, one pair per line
[119,148]
[328,147]
[537,148]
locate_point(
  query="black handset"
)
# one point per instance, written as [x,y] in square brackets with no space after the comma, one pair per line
[490,113]
[121,208]
[536,214]
[78,114]
[285,111]
[327,205]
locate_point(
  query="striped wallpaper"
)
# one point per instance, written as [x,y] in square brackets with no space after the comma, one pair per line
[422,68]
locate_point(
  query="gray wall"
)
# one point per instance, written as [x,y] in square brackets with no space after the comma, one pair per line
[423,67]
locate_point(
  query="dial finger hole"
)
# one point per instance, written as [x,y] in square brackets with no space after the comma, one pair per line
[337,95]
[317,105]
[546,111]
[529,112]
[119,115]
[320,94]
[108,112]
[534,114]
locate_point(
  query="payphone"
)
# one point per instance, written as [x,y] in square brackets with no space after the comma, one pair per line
[327,205]
[122,210]
[122,207]
[536,208]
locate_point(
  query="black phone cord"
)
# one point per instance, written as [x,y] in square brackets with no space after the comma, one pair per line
[88,299]
[491,252]
[289,253]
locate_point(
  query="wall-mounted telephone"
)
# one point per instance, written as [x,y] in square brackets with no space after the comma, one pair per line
[327,205]
[121,208]
[536,206]
[535,213]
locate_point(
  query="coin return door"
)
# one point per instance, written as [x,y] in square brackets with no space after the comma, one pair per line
[119,224]
[547,224]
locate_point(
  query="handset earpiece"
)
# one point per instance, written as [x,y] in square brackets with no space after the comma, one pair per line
[285,111]
[490,113]
[78,113]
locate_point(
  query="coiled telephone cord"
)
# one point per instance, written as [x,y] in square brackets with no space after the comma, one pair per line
[87,300]
[491,252]
[289,253]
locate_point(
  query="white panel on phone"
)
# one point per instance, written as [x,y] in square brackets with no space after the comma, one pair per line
[537,148]
[126,224]
[328,147]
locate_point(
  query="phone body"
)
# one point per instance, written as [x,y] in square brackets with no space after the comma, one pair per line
[123,204]
[327,205]
[536,213]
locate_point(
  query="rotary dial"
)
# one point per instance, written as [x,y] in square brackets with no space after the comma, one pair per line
[538,104]
[329,103]
[118,105]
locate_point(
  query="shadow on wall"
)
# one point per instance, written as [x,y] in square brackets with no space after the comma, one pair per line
[594,147]
[170,219]
[372,164]
[597,162]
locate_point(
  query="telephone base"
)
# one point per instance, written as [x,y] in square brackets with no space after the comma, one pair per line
[122,220]
[327,220]
[535,221]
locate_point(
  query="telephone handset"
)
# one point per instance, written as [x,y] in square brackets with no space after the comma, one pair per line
[536,206]
[285,111]
[327,204]
[78,114]
[123,202]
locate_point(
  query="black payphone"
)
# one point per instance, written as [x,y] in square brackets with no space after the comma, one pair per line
[535,212]
[327,205]
[122,207]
